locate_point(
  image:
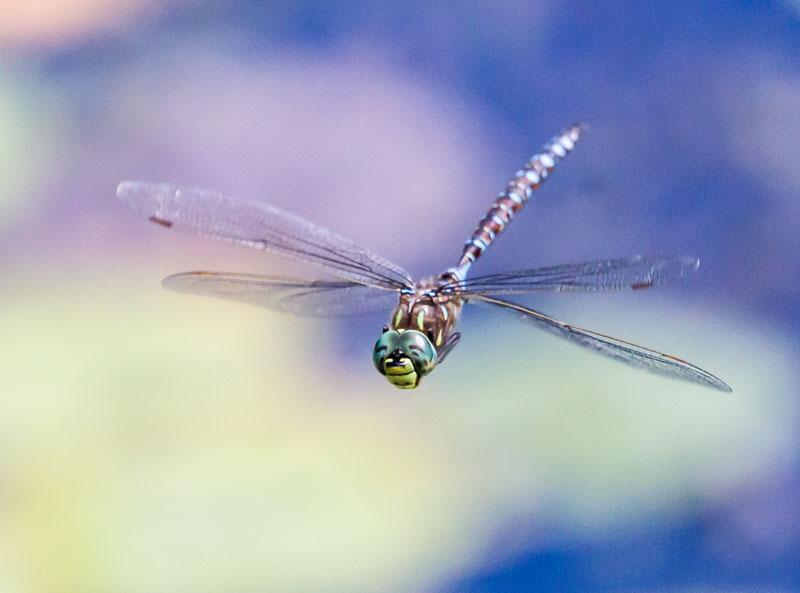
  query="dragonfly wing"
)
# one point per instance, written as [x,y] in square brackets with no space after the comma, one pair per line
[253,224]
[614,348]
[634,273]
[313,298]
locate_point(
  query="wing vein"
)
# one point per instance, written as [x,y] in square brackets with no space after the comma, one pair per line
[614,348]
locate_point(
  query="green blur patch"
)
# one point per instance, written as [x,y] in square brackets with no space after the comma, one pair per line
[29,133]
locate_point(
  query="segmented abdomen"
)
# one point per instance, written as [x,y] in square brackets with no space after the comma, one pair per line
[519,190]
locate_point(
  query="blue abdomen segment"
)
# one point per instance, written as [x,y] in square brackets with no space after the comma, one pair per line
[517,193]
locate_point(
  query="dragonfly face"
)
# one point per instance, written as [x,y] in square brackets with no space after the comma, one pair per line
[404,357]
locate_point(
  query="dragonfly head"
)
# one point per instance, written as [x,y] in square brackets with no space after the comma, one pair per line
[404,357]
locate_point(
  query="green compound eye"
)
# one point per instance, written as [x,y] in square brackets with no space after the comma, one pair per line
[383,347]
[419,348]
[404,357]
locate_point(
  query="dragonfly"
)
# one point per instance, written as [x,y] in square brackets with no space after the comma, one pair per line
[422,327]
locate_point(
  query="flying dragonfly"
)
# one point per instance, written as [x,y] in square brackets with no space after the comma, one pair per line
[421,331]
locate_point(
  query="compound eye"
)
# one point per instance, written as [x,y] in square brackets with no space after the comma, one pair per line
[421,351]
[385,344]
[378,355]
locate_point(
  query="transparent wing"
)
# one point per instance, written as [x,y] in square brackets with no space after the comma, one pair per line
[634,273]
[257,225]
[616,349]
[315,298]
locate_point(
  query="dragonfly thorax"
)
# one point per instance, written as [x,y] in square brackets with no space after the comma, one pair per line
[426,311]
[420,333]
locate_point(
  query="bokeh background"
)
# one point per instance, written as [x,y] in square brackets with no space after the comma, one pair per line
[153,442]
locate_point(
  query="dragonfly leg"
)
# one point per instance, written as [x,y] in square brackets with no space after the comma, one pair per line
[448,347]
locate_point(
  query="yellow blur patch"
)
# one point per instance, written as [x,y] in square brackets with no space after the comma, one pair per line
[402,376]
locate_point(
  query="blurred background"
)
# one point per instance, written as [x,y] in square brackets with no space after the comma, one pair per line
[153,442]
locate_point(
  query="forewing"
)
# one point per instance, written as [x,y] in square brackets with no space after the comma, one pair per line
[312,298]
[634,273]
[253,224]
[614,348]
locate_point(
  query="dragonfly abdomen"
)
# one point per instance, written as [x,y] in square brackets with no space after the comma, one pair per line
[517,193]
